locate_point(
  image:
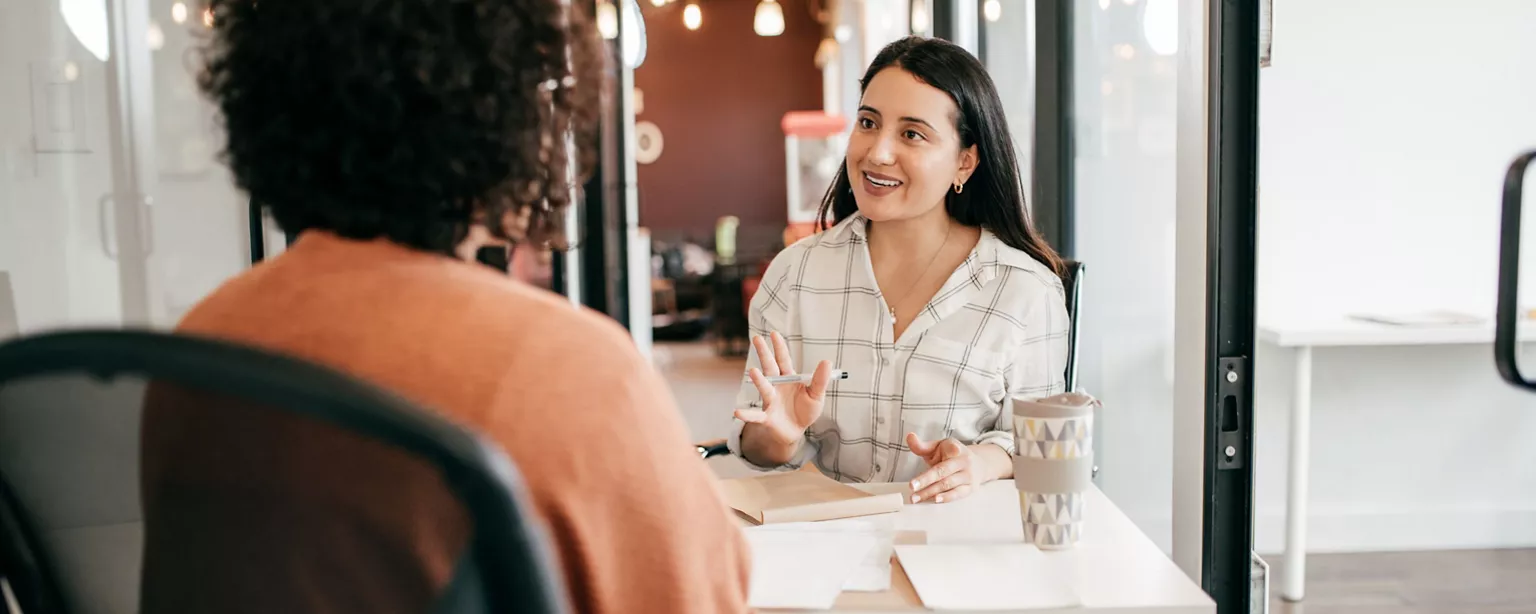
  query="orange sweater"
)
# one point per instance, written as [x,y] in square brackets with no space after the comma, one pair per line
[633,512]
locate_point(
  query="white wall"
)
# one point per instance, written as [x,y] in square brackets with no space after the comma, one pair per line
[1385,132]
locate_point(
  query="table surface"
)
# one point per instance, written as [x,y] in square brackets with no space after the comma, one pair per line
[1115,566]
[1350,332]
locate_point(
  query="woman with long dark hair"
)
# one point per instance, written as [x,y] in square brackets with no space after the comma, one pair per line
[927,285]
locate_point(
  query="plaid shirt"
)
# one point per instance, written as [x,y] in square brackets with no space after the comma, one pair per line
[997,328]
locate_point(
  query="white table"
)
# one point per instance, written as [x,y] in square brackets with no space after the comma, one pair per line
[1115,568]
[1302,337]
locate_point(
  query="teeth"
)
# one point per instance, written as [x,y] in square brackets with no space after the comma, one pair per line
[882,183]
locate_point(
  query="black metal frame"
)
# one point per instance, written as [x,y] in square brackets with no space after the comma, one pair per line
[1232,165]
[943,18]
[602,218]
[1054,172]
[257,233]
[474,468]
[1506,340]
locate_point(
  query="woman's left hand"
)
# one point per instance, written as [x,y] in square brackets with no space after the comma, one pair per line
[954,470]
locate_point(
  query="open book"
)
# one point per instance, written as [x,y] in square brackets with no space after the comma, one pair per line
[802,496]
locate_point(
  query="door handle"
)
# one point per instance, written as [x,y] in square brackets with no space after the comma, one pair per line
[1505,341]
[106,217]
[147,224]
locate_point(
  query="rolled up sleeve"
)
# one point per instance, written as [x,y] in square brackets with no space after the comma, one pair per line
[766,314]
[1038,369]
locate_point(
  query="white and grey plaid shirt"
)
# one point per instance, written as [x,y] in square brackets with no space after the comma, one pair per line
[997,328]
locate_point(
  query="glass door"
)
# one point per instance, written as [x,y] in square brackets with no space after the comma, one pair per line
[1140,174]
[70,233]
[201,231]
[113,207]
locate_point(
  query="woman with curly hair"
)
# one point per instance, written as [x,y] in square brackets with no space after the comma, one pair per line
[395,137]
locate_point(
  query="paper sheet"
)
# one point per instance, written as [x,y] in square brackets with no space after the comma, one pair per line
[985,577]
[1422,318]
[803,569]
[873,573]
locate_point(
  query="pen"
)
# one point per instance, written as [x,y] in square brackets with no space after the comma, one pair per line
[803,378]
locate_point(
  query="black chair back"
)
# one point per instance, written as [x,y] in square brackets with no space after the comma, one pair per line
[72,525]
[1072,282]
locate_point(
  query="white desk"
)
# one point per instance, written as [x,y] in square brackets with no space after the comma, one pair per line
[1341,332]
[1115,568]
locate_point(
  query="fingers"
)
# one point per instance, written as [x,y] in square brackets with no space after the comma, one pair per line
[950,448]
[940,483]
[781,352]
[959,492]
[754,416]
[765,356]
[820,380]
[919,447]
[769,393]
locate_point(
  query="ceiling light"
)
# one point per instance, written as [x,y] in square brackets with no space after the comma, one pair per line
[769,20]
[992,9]
[692,17]
[607,20]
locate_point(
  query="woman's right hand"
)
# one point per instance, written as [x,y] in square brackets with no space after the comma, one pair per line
[788,409]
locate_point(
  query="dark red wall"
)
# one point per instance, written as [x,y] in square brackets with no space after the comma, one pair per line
[717,94]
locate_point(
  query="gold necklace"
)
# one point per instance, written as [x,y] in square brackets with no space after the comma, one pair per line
[891,307]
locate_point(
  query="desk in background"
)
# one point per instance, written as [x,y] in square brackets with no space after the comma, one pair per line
[1301,338]
[1116,568]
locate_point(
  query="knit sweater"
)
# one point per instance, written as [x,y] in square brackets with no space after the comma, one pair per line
[335,524]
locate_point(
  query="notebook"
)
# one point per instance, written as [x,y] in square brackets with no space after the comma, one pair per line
[802,496]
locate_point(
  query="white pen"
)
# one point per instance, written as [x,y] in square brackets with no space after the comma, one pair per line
[803,378]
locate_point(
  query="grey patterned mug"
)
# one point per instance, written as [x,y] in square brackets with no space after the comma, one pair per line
[1053,465]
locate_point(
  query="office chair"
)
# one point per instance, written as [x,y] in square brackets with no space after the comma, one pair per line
[1072,284]
[72,531]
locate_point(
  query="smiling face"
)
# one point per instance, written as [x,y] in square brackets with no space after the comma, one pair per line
[905,151]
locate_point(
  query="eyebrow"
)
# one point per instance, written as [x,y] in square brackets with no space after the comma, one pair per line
[915,120]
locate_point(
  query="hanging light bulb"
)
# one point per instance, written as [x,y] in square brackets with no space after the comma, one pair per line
[179,12]
[607,20]
[920,17]
[208,17]
[992,9]
[692,17]
[769,20]
[658,3]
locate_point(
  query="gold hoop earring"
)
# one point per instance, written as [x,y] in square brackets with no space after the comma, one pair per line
[959,187]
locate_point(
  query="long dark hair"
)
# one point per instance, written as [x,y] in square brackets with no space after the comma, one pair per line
[994,196]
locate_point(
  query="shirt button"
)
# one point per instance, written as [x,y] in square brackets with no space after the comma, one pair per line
[879,468]
[885,360]
[879,420]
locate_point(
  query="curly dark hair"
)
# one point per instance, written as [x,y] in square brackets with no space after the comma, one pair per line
[406,119]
